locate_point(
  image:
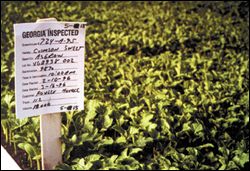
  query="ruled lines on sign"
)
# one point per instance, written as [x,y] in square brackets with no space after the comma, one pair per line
[31,58]
[49,50]
[49,68]
[39,100]
[51,87]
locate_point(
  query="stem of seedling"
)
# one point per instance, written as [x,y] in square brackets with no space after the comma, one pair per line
[15,148]
[10,137]
[30,160]
[38,164]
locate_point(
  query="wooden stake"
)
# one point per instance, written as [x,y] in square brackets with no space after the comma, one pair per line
[50,132]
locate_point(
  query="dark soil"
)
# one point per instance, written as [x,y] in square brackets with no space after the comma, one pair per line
[20,156]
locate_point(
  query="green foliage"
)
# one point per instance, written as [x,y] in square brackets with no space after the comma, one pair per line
[166,85]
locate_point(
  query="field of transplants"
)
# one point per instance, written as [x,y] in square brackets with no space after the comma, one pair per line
[166,85]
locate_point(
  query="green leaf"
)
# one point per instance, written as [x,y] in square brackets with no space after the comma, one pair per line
[74,138]
[242,159]
[142,141]
[206,146]
[232,165]
[118,91]
[113,158]
[124,154]
[136,109]
[223,167]
[63,166]
[107,122]
[30,149]
[173,168]
[85,137]
[186,127]
[93,157]
[133,130]
[121,139]
[147,101]
[165,126]
[152,127]
[145,120]
[197,127]
[37,157]
[119,129]
[92,106]
[105,141]
[67,153]
[134,151]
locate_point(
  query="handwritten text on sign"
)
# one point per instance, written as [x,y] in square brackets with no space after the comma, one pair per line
[49,65]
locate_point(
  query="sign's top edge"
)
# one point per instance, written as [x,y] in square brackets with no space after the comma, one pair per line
[55,22]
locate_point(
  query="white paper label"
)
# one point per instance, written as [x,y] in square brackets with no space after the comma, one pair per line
[49,67]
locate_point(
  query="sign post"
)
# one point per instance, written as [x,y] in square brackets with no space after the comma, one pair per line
[49,63]
[51,151]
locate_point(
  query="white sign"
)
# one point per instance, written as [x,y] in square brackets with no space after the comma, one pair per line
[49,67]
